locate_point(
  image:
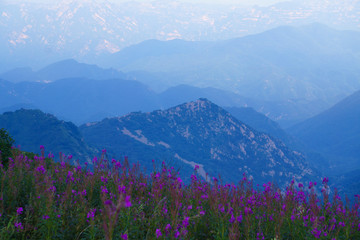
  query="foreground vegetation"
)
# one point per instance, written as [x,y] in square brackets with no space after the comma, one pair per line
[40,199]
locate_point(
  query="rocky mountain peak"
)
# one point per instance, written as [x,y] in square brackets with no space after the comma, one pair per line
[199,133]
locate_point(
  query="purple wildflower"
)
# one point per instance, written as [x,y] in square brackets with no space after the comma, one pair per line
[165,210]
[18,225]
[91,214]
[168,227]
[185,222]
[41,169]
[124,236]
[239,218]
[104,189]
[127,201]
[232,219]
[104,180]
[158,233]
[19,210]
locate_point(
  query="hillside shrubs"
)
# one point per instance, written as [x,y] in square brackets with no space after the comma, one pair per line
[6,143]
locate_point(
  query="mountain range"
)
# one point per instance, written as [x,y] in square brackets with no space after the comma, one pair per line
[199,133]
[307,63]
[195,133]
[40,33]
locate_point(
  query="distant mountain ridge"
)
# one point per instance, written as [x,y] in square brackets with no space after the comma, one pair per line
[199,133]
[80,99]
[81,93]
[59,70]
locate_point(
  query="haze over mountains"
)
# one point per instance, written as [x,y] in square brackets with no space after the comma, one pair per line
[83,30]
[289,73]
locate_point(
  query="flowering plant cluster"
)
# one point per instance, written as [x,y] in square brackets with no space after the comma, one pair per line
[41,199]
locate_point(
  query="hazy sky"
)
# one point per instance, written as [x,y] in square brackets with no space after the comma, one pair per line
[242,2]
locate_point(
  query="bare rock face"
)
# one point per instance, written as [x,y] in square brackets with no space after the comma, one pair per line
[199,133]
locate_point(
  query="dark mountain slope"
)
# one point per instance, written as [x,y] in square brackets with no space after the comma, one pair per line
[200,133]
[32,128]
[261,123]
[335,133]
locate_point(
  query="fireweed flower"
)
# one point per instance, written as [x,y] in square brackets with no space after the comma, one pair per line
[127,201]
[41,169]
[121,189]
[232,219]
[168,227]
[185,222]
[259,236]
[176,234]
[70,176]
[91,214]
[19,210]
[18,225]
[104,189]
[124,236]
[165,210]
[248,211]
[158,233]
[104,180]
[325,180]
[205,196]
[45,217]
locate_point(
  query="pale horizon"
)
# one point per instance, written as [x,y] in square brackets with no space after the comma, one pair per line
[217,2]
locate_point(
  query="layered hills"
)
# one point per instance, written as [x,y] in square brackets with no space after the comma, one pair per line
[307,63]
[80,99]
